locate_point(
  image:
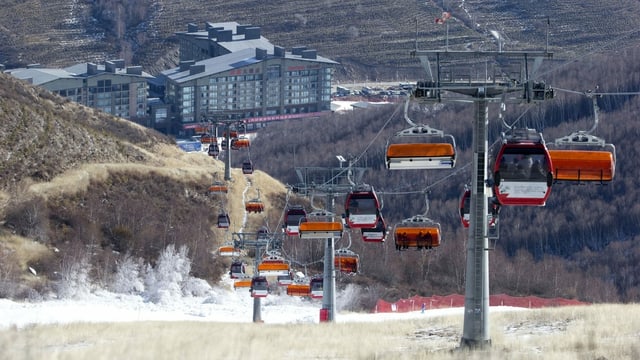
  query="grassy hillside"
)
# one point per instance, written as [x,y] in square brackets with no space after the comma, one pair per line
[76,182]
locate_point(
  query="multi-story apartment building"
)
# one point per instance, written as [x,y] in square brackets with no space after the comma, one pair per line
[226,70]
[230,70]
[110,87]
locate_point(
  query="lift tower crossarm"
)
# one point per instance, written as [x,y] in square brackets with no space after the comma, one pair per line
[496,72]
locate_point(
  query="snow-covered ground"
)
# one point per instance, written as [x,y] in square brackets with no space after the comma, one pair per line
[221,304]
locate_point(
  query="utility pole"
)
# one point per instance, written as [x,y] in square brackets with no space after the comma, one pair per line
[483,79]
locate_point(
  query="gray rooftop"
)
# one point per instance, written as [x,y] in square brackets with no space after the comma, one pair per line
[228,62]
[38,76]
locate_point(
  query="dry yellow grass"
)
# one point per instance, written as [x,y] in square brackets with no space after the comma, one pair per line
[166,160]
[584,332]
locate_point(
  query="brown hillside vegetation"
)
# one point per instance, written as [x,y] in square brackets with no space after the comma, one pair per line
[74,179]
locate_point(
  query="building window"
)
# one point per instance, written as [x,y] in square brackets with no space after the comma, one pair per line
[273,72]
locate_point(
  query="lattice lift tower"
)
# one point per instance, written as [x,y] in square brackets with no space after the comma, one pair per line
[482,76]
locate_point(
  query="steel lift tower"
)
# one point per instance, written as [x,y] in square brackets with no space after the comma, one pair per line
[330,182]
[259,243]
[228,120]
[482,76]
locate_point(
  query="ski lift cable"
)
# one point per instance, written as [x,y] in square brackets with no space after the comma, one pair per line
[357,158]
[458,170]
[513,124]
[591,94]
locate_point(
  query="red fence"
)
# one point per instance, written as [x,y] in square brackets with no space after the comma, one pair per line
[454,300]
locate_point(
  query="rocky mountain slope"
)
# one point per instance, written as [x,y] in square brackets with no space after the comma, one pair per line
[371,40]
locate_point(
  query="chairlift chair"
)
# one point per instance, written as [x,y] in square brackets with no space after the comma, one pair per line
[244,282]
[232,134]
[255,206]
[417,232]
[583,157]
[320,224]
[240,143]
[318,229]
[420,147]
[273,265]
[228,249]
[346,261]
[208,139]
[299,289]
[218,188]
[582,165]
